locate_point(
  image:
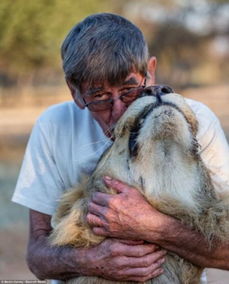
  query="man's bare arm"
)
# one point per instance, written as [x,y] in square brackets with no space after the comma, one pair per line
[129,212]
[49,262]
[191,245]
[112,259]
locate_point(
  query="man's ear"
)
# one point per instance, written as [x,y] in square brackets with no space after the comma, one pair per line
[75,94]
[151,68]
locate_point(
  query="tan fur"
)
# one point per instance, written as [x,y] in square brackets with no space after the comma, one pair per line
[167,170]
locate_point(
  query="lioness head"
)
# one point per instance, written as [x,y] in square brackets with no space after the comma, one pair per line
[158,115]
[155,148]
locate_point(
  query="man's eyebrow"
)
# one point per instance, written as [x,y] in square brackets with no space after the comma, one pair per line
[131,81]
[92,91]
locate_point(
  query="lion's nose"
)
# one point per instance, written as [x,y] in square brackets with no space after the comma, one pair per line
[157,91]
[163,90]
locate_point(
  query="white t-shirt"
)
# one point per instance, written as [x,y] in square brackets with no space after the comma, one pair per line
[66,142]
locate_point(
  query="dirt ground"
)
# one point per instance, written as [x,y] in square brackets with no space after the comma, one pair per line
[12,253]
[17,121]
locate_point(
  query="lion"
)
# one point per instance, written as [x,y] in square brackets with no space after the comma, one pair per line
[156,151]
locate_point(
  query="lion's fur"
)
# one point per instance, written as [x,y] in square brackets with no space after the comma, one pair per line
[161,160]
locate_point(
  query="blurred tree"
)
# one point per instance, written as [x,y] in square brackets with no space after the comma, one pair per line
[31,32]
[183,36]
[179,33]
[218,1]
[178,51]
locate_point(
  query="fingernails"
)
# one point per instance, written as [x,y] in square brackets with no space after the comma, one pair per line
[162,260]
[158,272]
[107,178]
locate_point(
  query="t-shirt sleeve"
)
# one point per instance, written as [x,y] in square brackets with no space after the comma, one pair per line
[214,149]
[39,184]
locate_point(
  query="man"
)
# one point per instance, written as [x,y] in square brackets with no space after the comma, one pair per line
[104,57]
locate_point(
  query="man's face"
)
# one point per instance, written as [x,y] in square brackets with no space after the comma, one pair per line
[108,118]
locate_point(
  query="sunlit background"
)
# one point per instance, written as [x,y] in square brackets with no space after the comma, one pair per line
[189,38]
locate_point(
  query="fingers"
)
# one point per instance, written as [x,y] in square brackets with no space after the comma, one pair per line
[101,198]
[131,242]
[96,217]
[96,209]
[152,275]
[100,231]
[117,185]
[141,274]
[135,250]
[156,258]
[142,271]
[140,250]
[94,220]
[129,262]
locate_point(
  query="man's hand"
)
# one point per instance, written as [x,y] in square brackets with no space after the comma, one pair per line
[125,215]
[128,215]
[125,260]
[112,259]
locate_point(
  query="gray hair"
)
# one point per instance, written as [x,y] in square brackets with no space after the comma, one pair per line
[103,47]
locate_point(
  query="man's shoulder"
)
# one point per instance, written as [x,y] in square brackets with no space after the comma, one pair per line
[68,121]
[58,112]
[205,116]
[64,115]
[201,110]
[209,124]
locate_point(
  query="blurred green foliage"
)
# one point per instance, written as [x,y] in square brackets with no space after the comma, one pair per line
[31,31]
[189,38]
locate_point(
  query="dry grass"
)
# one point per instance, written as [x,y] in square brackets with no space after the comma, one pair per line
[18,111]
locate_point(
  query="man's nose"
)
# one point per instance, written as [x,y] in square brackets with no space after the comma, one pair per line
[118,109]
